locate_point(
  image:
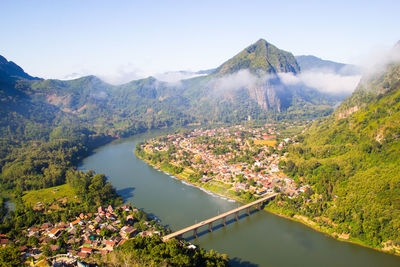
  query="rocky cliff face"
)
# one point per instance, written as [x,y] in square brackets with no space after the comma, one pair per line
[264,61]
[271,94]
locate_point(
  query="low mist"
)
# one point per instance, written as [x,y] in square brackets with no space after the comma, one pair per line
[323,81]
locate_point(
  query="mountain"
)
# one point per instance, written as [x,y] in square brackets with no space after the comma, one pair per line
[313,63]
[247,86]
[9,71]
[256,70]
[351,160]
[260,57]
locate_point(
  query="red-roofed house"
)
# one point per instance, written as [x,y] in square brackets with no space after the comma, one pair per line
[86,250]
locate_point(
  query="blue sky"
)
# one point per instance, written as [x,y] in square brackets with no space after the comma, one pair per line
[55,38]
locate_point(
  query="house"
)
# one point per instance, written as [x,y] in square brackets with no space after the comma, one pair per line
[54,233]
[63,225]
[97,219]
[33,231]
[205,179]
[242,186]
[111,228]
[110,215]
[127,231]
[146,233]
[46,226]
[110,209]
[191,246]
[74,223]
[86,250]
[100,210]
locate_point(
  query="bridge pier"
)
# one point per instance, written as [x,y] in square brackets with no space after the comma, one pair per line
[256,204]
[195,232]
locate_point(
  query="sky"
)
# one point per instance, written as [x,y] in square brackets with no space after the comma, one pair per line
[60,39]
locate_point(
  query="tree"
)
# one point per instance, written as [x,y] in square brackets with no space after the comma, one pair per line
[10,256]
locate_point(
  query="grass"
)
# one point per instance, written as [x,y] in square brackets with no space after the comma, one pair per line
[50,195]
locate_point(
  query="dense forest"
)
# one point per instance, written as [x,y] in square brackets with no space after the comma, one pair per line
[152,251]
[351,160]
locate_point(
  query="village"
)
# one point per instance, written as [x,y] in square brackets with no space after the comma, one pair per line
[90,235]
[246,159]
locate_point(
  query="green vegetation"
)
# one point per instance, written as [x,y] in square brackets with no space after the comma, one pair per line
[261,56]
[351,160]
[152,251]
[47,127]
[10,256]
[64,193]
[92,190]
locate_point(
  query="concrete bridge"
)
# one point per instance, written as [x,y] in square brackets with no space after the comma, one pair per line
[222,217]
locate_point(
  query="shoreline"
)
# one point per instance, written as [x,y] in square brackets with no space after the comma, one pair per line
[272,211]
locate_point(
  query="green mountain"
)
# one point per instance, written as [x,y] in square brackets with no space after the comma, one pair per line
[260,56]
[351,160]
[9,71]
[74,115]
[313,63]
[246,86]
[259,92]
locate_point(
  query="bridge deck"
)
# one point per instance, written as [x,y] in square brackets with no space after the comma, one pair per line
[213,219]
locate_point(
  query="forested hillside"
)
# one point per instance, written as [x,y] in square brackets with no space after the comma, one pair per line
[47,126]
[351,160]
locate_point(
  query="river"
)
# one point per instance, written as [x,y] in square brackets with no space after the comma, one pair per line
[262,239]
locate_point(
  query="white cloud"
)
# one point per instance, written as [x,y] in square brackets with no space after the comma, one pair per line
[176,76]
[123,74]
[327,82]
[127,73]
[324,81]
[377,59]
[234,82]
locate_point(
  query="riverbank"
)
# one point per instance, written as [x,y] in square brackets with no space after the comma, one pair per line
[326,231]
[224,192]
